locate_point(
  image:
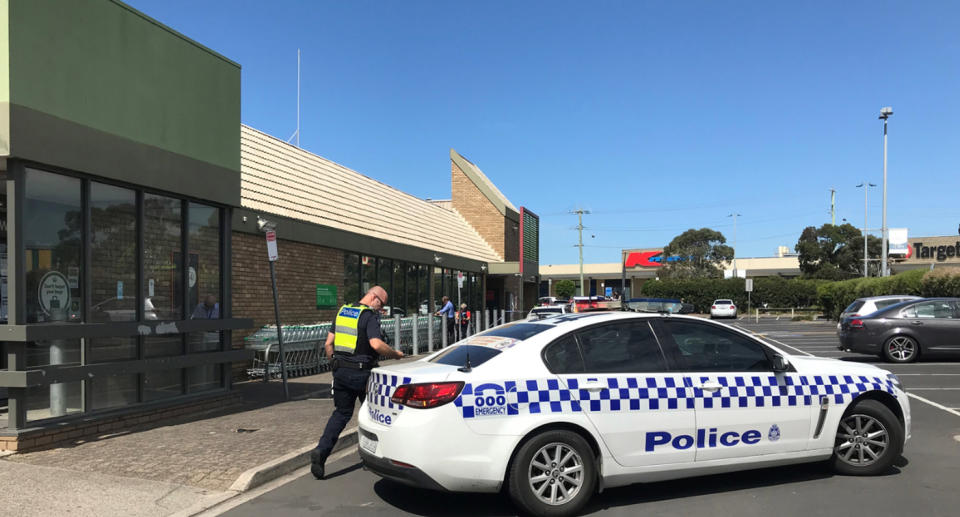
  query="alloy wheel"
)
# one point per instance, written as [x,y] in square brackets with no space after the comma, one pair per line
[861,440]
[901,348]
[556,473]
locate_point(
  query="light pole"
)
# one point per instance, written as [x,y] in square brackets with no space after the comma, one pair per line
[884,115]
[580,213]
[866,186]
[734,216]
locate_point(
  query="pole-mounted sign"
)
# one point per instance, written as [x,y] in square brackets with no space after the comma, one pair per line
[272,245]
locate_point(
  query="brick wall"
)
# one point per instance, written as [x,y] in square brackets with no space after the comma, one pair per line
[482,215]
[299,269]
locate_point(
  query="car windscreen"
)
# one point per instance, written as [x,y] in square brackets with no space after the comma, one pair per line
[457,355]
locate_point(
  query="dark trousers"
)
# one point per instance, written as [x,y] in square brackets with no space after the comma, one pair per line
[451,331]
[349,386]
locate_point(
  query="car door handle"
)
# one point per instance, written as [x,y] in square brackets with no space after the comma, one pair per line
[710,386]
[593,386]
[917,322]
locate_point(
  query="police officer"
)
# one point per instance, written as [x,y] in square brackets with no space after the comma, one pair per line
[353,344]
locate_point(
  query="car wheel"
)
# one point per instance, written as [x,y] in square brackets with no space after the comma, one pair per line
[553,473]
[901,349]
[869,439]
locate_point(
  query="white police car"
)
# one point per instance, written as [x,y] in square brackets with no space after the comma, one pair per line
[560,408]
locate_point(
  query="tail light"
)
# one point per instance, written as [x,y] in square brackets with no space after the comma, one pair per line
[733,307]
[856,324]
[713,306]
[426,395]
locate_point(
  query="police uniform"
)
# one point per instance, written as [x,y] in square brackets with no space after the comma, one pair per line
[353,357]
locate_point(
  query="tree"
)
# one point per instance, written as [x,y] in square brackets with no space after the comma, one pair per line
[835,252]
[564,288]
[696,254]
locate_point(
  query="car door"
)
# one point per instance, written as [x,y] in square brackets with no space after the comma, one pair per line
[935,324]
[617,374]
[743,407]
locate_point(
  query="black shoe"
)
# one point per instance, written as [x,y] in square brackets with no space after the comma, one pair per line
[317,460]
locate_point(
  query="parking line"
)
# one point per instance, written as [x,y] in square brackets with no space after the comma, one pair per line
[934,404]
[934,389]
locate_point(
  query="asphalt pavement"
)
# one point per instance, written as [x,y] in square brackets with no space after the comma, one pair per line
[924,482]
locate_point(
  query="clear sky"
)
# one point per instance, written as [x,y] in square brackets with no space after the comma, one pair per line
[656,116]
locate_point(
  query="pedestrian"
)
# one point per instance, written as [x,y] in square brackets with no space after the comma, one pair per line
[353,345]
[449,312]
[463,320]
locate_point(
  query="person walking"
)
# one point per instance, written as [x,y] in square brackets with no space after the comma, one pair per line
[463,321]
[354,343]
[449,312]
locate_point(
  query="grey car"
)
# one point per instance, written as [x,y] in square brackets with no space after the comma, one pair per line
[903,332]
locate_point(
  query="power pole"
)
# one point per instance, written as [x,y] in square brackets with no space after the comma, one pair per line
[734,216]
[884,115]
[580,213]
[833,206]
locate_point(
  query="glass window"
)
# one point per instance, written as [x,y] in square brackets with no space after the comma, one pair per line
[108,349]
[113,391]
[162,258]
[162,384]
[437,288]
[457,355]
[53,352]
[204,269]
[709,348]
[204,377]
[58,399]
[208,341]
[621,347]
[51,230]
[162,346]
[854,307]
[424,290]
[368,271]
[397,297]
[563,356]
[385,276]
[412,305]
[351,278]
[113,253]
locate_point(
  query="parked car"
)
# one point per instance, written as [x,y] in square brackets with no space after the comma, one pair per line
[547,300]
[871,304]
[723,308]
[539,313]
[903,332]
[117,309]
[667,305]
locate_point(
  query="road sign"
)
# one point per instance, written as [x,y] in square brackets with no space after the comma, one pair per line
[272,245]
[749,285]
[460,279]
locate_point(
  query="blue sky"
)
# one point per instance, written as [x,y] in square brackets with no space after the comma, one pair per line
[656,116]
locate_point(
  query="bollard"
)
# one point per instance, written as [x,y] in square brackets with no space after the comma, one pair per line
[443,332]
[791,313]
[430,333]
[758,316]
[415,330]
[396,332]
[486,319]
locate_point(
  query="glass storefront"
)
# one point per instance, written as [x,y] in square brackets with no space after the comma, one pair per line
[113,256]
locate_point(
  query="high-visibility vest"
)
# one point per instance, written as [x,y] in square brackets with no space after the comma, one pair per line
[345,338]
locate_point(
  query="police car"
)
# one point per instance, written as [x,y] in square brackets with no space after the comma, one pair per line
[558,409]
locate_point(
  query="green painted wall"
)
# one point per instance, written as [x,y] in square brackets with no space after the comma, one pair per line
[103,65]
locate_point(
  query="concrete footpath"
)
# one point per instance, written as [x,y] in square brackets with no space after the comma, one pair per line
[181,466]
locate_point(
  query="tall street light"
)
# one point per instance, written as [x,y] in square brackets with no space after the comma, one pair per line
[580,228]
[866,185]
[884,115]
[734,216]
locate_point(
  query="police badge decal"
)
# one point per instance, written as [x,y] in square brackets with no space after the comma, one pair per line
[774,433]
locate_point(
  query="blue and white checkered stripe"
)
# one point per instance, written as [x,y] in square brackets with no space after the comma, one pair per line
[381,387]
[669,393]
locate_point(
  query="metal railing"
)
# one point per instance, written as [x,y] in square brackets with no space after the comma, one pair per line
[304,344]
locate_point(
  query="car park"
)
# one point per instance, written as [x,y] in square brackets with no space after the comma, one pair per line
[723,308]
[556,409]
[904,332]
[871,304]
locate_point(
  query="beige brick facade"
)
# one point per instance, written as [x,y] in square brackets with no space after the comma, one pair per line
[479,212]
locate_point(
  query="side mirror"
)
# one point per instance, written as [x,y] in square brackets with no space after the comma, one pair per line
[780,363]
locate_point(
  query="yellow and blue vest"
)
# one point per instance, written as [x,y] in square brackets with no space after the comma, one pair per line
[346,331]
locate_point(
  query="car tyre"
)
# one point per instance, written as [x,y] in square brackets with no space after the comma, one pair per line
[553,474]
[869,439]
[901,349]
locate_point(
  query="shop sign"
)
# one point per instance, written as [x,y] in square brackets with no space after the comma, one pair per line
[898,241]
[940,253]
[326,296]
[54,292]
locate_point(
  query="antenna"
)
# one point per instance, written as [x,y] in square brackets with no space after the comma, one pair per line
[296,134]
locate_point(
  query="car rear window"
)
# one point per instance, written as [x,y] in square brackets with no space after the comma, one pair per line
[723,302]
[547,309]
[854,307]
[518,331]
[457,355]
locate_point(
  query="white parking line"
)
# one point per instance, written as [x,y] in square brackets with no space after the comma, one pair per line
[934,404]
[934,389]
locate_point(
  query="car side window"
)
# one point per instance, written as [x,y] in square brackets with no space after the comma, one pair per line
[621,347]
[939,309]
[563,356]
[709,348]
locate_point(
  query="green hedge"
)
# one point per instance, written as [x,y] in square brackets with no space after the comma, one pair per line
[774,291]
[831,297]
